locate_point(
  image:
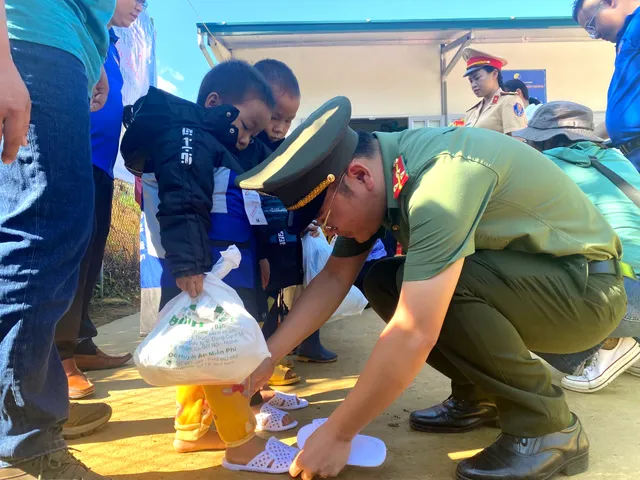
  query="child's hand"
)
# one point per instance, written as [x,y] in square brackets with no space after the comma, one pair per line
[265,272]
[192,284]
[312,229]
[262,374]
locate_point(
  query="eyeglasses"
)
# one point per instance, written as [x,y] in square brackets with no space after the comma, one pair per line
[143,4]
[326,228]
[590,27]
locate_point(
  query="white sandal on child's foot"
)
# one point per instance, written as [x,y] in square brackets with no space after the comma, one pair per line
[276,457]
[287,401]
[270,420]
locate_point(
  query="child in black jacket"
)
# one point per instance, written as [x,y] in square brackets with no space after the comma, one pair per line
[191,150]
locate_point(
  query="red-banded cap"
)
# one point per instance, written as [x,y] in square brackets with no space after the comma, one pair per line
[476,59]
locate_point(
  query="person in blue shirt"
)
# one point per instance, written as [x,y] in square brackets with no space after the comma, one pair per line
[75,331]
[618,22]
[51,55]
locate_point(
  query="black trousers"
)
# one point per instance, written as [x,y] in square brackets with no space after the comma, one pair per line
[75,330]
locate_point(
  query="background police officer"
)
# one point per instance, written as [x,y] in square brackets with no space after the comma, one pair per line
[498,110]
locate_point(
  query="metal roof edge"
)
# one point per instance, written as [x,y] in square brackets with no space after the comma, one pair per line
[283,28]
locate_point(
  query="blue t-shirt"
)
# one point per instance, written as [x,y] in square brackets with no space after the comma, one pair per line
[78,27]
[623,104]
[106,123]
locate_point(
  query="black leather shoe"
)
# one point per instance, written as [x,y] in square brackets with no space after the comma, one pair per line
[455,416]
[533,458]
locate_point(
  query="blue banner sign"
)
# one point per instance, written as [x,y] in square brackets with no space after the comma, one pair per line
[535,80]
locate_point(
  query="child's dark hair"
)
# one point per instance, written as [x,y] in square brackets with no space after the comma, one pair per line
[279,76]
[514,85]
[490,69]
[235,81]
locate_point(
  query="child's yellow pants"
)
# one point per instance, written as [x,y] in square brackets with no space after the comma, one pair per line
[226,406]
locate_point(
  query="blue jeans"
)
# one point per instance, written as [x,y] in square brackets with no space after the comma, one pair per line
[46,207]
[629,327]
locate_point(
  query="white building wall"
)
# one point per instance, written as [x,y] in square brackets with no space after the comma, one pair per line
[403,80]
[380,81]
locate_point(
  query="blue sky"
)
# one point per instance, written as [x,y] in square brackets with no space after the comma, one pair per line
[181,65]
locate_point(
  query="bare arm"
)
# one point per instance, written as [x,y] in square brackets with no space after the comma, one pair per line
[15,103]
[316,304]
[4,32]
[400,353]
[396,360]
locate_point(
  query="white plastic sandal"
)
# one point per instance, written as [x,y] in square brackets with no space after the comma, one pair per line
[287,401]
[366,451]
[276,457]
[270,420]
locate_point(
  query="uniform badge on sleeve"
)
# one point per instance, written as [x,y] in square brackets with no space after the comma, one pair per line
[518,109]
[400,176]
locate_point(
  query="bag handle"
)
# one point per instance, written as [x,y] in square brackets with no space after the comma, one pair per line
[629,190]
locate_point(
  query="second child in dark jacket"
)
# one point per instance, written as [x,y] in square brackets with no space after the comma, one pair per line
[280,251]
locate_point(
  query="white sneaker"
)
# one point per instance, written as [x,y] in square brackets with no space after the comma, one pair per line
[634,369]
[604,367]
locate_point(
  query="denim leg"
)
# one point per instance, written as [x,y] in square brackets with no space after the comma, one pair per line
[46,200]
[568,363]
[630,324]
[629,327]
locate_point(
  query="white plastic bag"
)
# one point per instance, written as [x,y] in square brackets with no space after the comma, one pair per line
[315,255]
[210,340]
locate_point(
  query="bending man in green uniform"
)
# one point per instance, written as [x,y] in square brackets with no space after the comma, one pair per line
[504,255]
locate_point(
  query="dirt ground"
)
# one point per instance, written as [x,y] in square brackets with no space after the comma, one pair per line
[103,312]
[136,444]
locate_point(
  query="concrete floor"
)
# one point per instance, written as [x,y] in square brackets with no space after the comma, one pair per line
[137,443]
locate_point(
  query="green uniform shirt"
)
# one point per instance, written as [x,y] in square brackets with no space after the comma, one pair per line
[475,189]
[78,27]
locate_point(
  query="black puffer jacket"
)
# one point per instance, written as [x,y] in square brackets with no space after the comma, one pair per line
[252,156]
[182,144]
[275,243]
